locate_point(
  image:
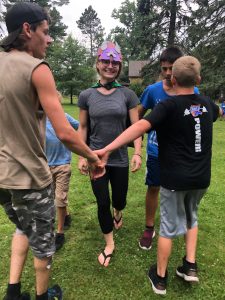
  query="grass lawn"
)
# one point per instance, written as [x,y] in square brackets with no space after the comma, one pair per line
[76,268]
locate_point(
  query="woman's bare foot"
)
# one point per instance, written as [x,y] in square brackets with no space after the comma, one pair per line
[106,255]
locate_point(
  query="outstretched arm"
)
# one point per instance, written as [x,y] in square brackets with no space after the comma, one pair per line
[44,84]
[132,133]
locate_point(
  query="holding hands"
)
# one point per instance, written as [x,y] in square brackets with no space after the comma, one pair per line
[94,169]
[97,169]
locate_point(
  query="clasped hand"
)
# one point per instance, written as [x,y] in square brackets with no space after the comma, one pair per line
[95,169]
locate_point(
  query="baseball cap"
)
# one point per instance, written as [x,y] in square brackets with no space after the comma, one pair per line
[17,15]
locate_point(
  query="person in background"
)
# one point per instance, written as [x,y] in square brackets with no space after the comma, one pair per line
[184,125]
[59,161]
[223,109]
[27,94]
[153,94]
[104,110]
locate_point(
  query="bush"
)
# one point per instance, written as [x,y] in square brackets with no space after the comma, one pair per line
[137,87]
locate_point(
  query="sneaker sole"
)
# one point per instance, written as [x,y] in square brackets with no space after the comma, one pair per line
[155,290]
[187,278]
[145,248]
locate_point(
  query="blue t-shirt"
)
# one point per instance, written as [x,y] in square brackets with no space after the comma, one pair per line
[57,154]
[151,96]
[223,107]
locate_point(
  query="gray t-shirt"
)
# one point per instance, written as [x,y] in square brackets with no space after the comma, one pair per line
[108,116]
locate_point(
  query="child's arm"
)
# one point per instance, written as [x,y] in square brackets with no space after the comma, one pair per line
[73,122]
[130,134]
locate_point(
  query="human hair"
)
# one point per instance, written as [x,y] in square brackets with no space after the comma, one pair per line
[20,43]
[186,71]
[170,54]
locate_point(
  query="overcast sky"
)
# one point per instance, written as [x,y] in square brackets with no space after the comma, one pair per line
[72,12]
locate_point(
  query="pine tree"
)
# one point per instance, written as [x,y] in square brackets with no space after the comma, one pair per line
[90,26]
[57,28]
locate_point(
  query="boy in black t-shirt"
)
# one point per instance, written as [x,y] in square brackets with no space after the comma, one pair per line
[184,129]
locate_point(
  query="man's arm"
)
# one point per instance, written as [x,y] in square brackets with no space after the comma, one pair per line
[44,84]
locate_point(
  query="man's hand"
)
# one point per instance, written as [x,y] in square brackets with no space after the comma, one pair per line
[96,168]
[103,157]
[103,154]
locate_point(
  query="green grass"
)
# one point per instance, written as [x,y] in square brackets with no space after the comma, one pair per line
[76,268]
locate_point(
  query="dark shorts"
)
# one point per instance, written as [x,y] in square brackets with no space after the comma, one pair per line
[33,213]
[152,171]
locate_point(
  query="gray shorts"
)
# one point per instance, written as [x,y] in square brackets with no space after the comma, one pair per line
[178,211]
[33,213]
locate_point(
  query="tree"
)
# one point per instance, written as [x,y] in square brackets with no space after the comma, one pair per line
[69,62]
[153,24]
[2,5]
[57,28]
[90,26]
[140,24]
[207,42]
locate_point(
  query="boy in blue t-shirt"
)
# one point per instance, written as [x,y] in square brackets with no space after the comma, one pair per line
[59,159]
[152,95]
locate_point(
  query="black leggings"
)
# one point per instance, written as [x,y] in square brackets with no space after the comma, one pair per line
[118,178]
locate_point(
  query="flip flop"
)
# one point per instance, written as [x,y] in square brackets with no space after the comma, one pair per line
[105,258]
[116,222]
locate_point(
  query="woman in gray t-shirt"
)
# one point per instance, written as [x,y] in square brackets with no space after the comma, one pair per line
[104,109]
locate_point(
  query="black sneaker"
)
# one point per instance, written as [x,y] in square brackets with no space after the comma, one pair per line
[23,296]
[158,283]
[59,240]
[67,222]
[55,293]
[188,271]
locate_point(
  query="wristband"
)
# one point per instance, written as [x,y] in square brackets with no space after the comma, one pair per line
[138,155]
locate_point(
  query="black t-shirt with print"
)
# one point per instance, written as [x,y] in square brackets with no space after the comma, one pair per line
[184,129]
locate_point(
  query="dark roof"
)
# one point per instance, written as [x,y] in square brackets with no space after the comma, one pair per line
[135,67]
